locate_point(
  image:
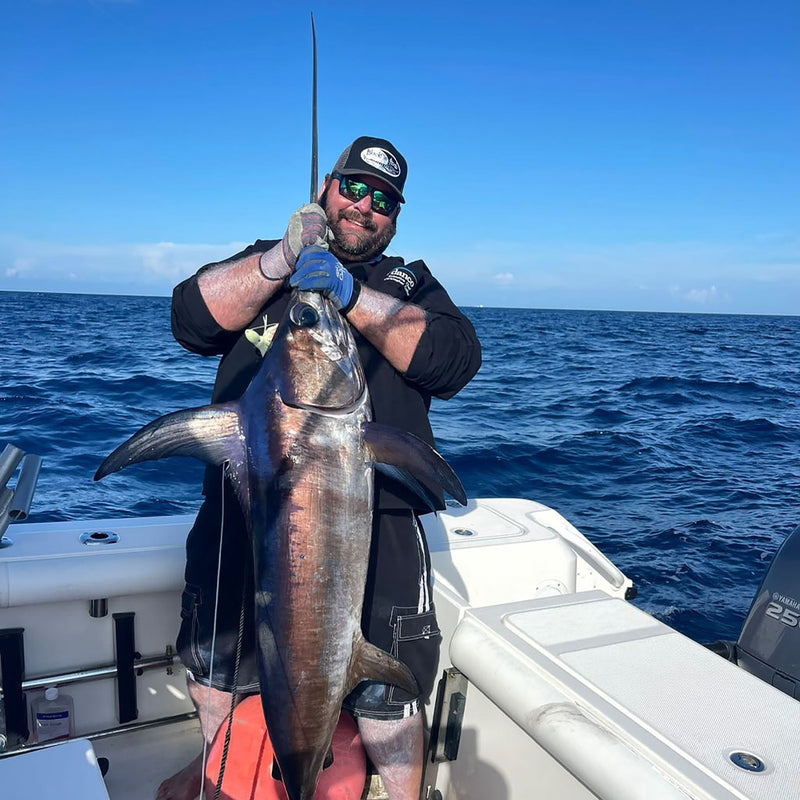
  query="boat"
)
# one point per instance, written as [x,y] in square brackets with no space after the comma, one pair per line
[553,684]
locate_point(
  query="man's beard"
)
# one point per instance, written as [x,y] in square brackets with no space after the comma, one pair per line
[359,244]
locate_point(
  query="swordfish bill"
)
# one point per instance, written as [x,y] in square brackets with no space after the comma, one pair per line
[300,450]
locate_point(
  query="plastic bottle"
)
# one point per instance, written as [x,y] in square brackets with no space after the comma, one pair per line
[53,716]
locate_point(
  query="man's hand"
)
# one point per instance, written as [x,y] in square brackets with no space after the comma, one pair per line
[317,270]
[307,226]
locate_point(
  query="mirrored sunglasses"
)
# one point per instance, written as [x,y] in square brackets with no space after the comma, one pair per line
[355,190]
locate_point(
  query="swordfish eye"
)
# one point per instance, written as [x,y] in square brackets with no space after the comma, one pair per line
[303,315]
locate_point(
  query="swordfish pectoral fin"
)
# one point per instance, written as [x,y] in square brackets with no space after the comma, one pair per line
[429,497]
[406,458]
[372,663]
[211,433]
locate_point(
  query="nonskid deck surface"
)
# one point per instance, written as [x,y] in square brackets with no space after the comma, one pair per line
[140,760]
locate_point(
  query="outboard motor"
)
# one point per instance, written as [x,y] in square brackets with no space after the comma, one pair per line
[769,644]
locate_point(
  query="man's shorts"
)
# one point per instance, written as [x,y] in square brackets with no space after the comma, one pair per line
[398,614]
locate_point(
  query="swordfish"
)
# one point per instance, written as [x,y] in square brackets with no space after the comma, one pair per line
[300,450]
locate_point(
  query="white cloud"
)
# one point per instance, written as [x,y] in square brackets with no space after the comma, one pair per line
[22,264]
[152,268]
[757,275]
[702,296]
[647,263]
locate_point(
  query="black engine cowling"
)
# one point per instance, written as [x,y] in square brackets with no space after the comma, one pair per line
[769,644]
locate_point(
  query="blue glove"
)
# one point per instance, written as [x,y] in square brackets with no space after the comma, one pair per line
[318,270]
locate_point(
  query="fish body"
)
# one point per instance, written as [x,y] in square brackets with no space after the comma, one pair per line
[311,522]
[300,450]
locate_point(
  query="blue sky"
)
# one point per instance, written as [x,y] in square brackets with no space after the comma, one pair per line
[605,155]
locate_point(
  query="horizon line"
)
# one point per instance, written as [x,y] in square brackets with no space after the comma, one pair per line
[480,306]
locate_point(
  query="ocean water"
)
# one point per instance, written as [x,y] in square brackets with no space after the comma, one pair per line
[671,440]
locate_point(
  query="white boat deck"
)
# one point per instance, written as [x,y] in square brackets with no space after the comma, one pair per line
[140,760]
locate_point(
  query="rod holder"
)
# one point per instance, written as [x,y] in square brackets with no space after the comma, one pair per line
[6,495]
[26,486]
[98,608]
[9,459]
[448,716]
[12,668]
[127,706]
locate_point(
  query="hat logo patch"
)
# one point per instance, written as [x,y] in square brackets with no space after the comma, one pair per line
[381,159]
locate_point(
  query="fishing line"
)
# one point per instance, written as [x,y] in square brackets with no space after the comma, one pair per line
[214,628]
[240,636]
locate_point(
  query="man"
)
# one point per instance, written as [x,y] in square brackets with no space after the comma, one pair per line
[414,344]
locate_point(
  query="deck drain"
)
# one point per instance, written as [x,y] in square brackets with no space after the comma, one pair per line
[748,761]
[99,537]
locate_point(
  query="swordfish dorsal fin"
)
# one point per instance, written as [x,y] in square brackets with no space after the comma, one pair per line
[372,663]
[408,459]
[211,433]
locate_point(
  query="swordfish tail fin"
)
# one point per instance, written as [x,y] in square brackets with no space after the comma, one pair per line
[211,433]
[372,663]
[408,459]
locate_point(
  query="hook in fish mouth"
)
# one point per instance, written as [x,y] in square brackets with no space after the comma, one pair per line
[304,315]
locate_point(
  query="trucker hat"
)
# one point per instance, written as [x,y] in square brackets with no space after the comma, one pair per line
[379,157]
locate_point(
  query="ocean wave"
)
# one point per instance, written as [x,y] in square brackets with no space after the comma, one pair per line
[670,440]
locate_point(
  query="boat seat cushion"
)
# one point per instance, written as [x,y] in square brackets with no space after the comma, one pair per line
[66,771]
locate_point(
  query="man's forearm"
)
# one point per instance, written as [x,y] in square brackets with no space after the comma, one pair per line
[234,291]
[393,327]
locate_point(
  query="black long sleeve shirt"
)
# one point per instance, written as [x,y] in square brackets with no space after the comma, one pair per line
[447,357]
